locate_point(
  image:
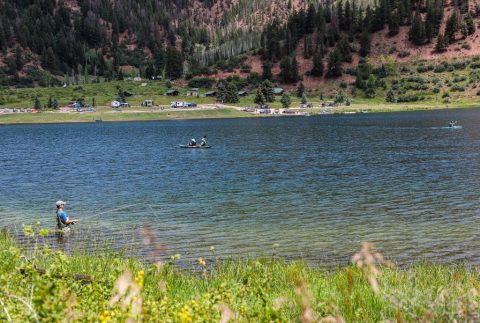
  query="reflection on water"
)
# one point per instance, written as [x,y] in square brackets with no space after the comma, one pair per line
[316,186]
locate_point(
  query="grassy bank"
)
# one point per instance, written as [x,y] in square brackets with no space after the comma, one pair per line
[254,290]
[118,116]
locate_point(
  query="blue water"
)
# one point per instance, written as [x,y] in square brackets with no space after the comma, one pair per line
[316,186]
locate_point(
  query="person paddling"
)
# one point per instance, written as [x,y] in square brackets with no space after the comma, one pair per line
[193,142]
[62,219]
[204,141]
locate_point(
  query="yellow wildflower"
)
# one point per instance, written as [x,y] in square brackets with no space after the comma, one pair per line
[105,317]
[184,315]
[202,262]
[139,278]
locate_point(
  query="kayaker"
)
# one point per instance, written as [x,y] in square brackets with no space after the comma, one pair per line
[193,142]
[62,219]
[204,141]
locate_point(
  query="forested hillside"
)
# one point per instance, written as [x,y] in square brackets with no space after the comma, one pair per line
[54,41]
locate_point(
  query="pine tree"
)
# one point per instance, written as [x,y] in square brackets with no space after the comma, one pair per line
[49,102]
[267,90]
[229,93]
[259,98]
[365,44]
[173,63]
[55,103]
[394,24]
[334,64]
[451,28]
[304,98]
[294,76]
[469,24]
[267,70]
[317,69]
[344,49]
[300,90]
[286,101]
[390,97]
[37,104]
[285,67]
[417,31]
[441,45]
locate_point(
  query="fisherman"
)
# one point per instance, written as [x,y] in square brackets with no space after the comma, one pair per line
[192,142]
[62,219]
[204,141]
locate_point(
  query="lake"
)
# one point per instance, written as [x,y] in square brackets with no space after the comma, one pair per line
[300,187]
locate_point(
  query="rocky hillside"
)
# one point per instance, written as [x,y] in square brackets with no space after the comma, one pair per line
[52,41]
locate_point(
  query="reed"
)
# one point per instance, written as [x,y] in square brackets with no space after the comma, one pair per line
[235,290]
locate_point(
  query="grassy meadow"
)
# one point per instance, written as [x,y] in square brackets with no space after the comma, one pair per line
[417,86]
[267,289]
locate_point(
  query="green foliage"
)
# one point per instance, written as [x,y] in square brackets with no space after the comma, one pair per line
[300,90]
[252,290]
[267,90]
[365,44]
[417,34]
[228,93]
[259,98]
[37,104]
[286,101]
[304,99]
[391,97]
[317,69]
[205,83]
[334,64]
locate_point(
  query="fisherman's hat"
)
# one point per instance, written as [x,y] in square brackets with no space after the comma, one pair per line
[60,202]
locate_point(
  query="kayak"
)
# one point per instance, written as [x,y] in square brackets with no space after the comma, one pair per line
[453,127]
[195,147]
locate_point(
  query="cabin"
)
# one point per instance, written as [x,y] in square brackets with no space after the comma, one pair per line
[211,94]
[147,103]
[243,93]
[278,91]
[172,93]
[193,92]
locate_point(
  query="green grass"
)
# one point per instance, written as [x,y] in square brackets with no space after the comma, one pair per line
[249,290]
[104,93]
[112,116]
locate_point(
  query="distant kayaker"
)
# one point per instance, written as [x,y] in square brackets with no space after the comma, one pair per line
[204,141]
[193,142]
[62,218]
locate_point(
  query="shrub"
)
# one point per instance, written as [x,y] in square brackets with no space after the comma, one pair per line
[409,98]
[425,68]
[404,53]
[475,65]
[439,69]
[459,78]
[457,88]
[460,65]
[203,82]
[445,95]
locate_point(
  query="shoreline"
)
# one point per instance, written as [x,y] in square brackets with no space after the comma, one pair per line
[226,112]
